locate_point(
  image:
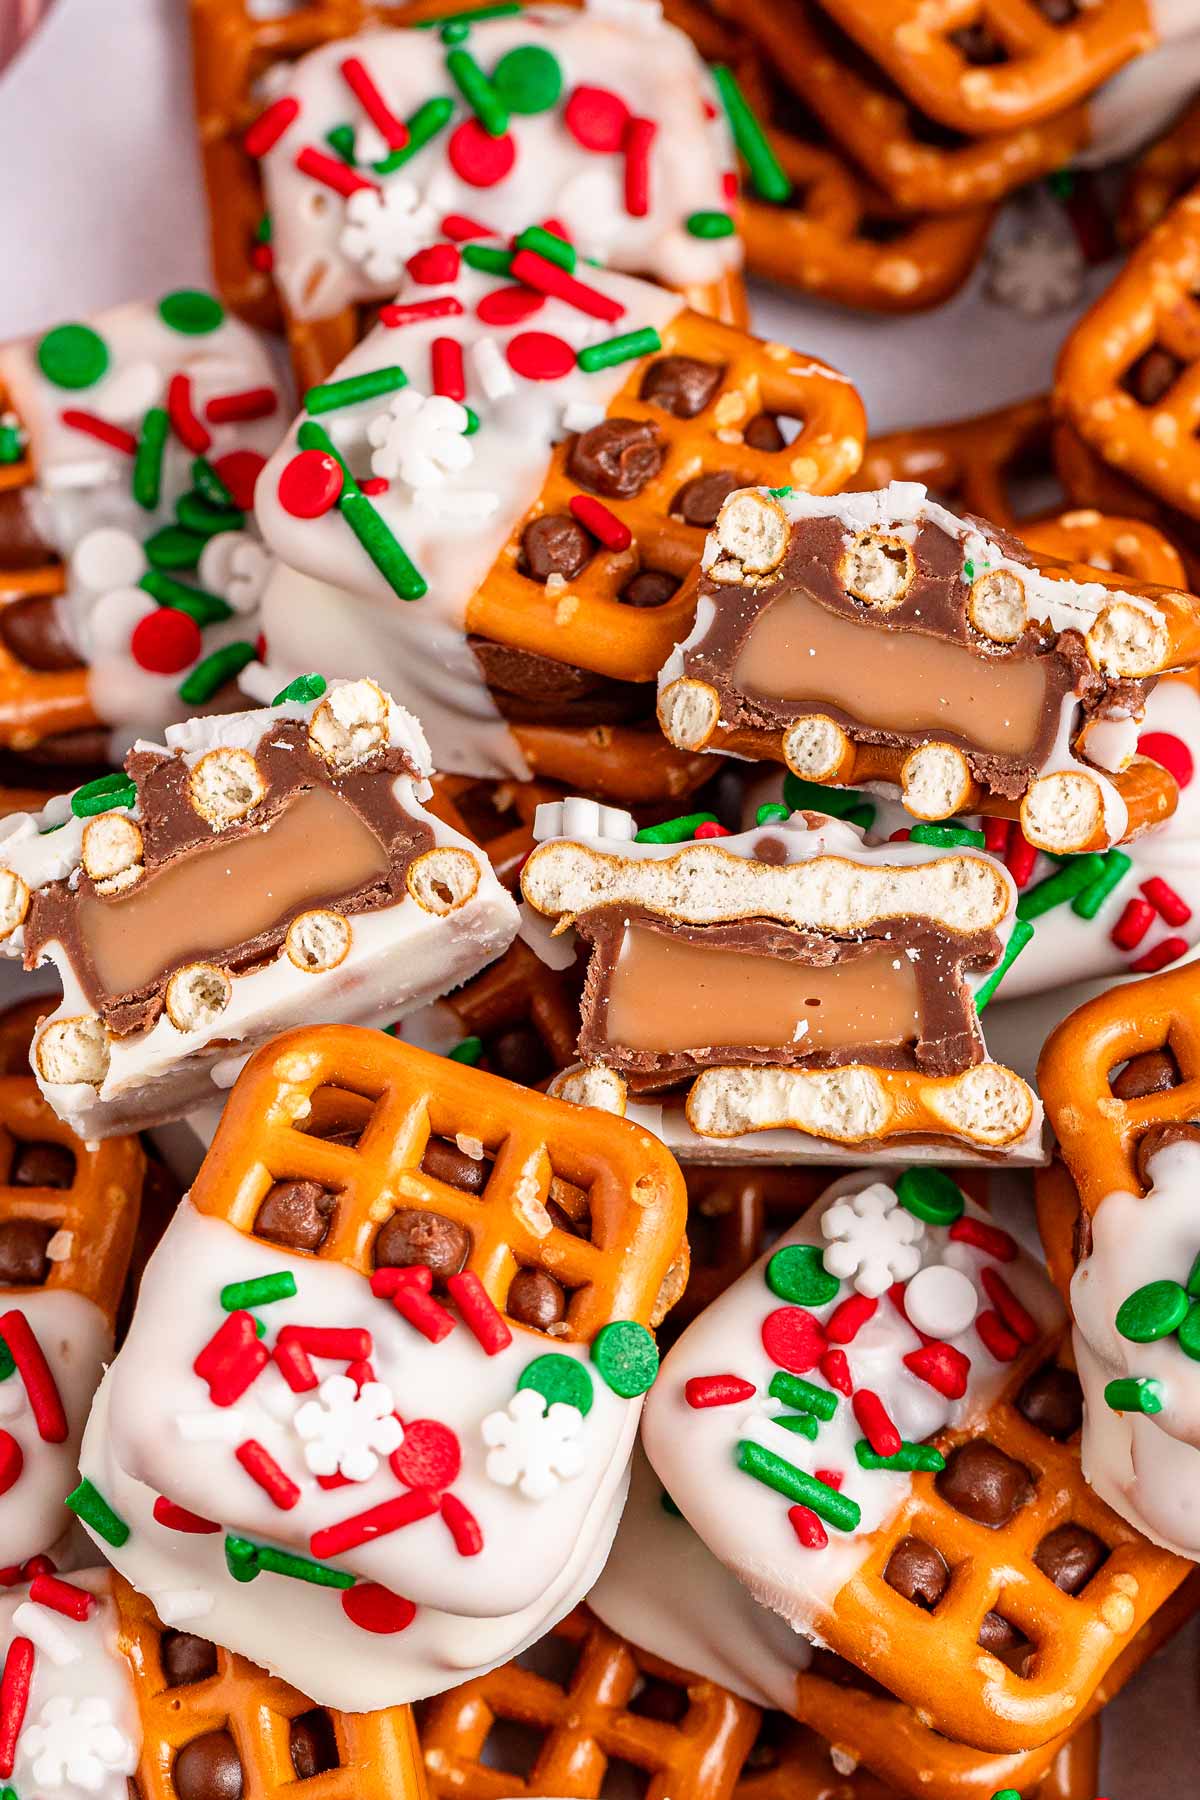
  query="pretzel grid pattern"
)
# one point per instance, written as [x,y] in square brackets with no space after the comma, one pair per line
[377,1751]
[637,1197]
[587,1724]
[1048,66]
[1076,1638]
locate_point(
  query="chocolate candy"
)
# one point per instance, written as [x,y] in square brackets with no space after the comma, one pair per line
[1152,375]
[23,1259]
[22,545]
[682,385]
[616,458]
[918,1572]
[209,1768]
[520,1055]
[1154,1072]
[429,1238]
[1052,1400]
[446,1162]
[187,1658]
[536,1299]
[649,587]
[984,1482]
[296,1215]
[312,1744]
[33,634]
[700,500]
[763,433]
[1070,1556]
[1003,1639]
[41,1165]
[555,544]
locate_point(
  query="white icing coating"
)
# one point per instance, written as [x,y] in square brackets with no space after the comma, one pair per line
[1146,1467]
[746,1523]
[654,70]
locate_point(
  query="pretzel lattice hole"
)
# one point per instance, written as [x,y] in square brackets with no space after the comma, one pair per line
[985,1482]
[1004,1640]
[312,1744]
[513,1747]
[39,1164]
[1052,1402]
[186,1659]
[1150,378]
[624,1780]
[338,1115]
[655,1698]
[555,1658]
[1152,1071]
[1070,1556]
[297,1214]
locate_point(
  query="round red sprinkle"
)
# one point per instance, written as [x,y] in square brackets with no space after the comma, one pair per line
[478,158]
[596,118]
[165,641]
[239,470]
[509,305]
[310,484]
[539,356]
[1165,748]
[429,1457]
[435,266]
[793,1339]
[377,1609]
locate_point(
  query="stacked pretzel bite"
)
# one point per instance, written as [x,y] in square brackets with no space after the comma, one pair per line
[520,1273]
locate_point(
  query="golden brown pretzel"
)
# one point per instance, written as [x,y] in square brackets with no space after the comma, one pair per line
[1160,175]
[969,463]
[1129,548]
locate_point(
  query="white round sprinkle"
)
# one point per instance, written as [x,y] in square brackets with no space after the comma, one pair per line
[940,1301]
[108,558]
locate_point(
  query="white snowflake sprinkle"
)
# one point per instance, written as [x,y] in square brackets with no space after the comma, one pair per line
[872,1240]
[347,1429]
[420,438]
[1037,273]
[384,227]
[75,1744]
[531,1447]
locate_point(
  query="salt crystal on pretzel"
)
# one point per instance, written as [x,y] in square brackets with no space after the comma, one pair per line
[858,1025]
[795,591]
[314,808]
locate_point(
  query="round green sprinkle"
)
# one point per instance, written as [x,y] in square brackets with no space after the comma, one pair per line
[771,813]
[798,1273]
[304,689]
[73,356]
[191,311]
[472,425]
[1153,1312]
[173,548]
[710,225]
[528,79]
[557,1378]
[626,1356]
[215,670]
[1136,1393]
[929,1194]
[102,795]
[469,1051]
[209,483]
[1189,1334]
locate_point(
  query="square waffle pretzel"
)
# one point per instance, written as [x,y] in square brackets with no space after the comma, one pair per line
[1128,377]
[589,1722]
[1160,175]
[377,1752]
[984,66]
[637,1197]
[968,464]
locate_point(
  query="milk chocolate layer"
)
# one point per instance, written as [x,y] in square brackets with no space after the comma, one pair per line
[313,842]
[22,545]
[529,688]
[663,1000]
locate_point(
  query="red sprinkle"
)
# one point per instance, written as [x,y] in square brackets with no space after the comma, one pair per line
[1165,901]
[730,186]
[293,1364]
[557,229]
[311,484]
[539,356]
[14,1699]
[435,266]
[807,1527]
[240,470]
[711,829]
[991,1239]
[445,306]
[1133,924]
[847,1320]
[596,118]
[376,1522]
[386,1282]
[40,1387]
[374,484]
[449,377]
[996,833]
[1020,1322]
[408,1291]
[347,1343]
[836,1371]
[793,1339]
[392,130]
[232,1359]
[377,1609]
[112,435]
[1160,956]
[639,135]
[942,1366]
[262,258]
[270,126]
[332,172]
[178,1518]
[262,1468]
[237,409]
[595,517]
[430,1456]
[996,1338]
[478,158]
[478,1313]
[462,1525]
[462,229]
[876,1424]
[193,435]
[1171,751]
[832,1478]
[548,278]
[166,641]
[716,1390]
[62,1597]
[12,1461]
[1020,858]
[509,305]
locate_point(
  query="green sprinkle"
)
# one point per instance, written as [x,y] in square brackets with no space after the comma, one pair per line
[626,1356]
[73,356]
[931,1195]
[197,603]
[191,311]
[425,124]
[472,425]
[809,796]
[264,230]
[1153,1312]
[805,1396]
[478,92]
[241,1558]
[947,837]
[1135,1393]
[12,443]
[798,1273]
[766,172]
[1006,1794]
[198,514]
[246,1560]
[329,396]
[621,349]
[487,259]
[1062,185]
[863,816]
[771,813]
[102,795]
[472,17]
[384,549]
[710,225]
[1116,866]
[7,1364]
[908,1458]
[302,691]
[259,1291]
[469,1051]
[209,483]
[779,493]
[801,1423]
[456,31]
[215,670]
[1069,879]
[544,243]
[148,458]
[1193,1280]
[675,831]
[173,548]
[1022,932]
[1189,1334]
[341,142]
[968,570]
[557,1378]
[836,1509]
[89,1504]
[528,79]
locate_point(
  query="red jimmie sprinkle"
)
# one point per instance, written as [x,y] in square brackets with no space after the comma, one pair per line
[730,186]
[996,1338]
[237,409]
[807,1527]
[509,305]
[1167,952]
[270,126]
[446,361]
[996,833]
[477,1312]
[410,312]
[478,158]
[112,435]
[1133,924]
[408,1293]
[1020,1322]
[595,517]
[374,484]
[232,1359]
[62,1597]
[360,1373]
[262,1468]
[1171,751]
[435,266]
[376,1522]
[192,434]
[847,1320]
[14,1699]
[262,258]
[462,229]
[540,356]
[1166,902]
[240,470]
[310,484]
[463,1526]
[639,136]
[716,1390]
[166,641]
[40,1387]
[557,229]
[548,278]
[331,172]
[386,1282]
[377,1609]
[294,1365]
[942,1366]
[1020,858]
[348,1343]
[991,1239]
[793,1339]
[710,829]
[392,130]
[836,1371]
[430,1456]
[831,1477]
[877,1426]
[178,1518]
[12,1461]
[596,118]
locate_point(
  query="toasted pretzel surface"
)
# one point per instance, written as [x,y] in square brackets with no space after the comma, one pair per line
[970,464]
[1160,175]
